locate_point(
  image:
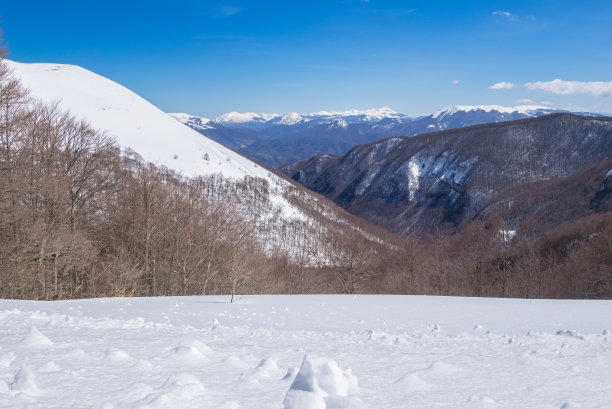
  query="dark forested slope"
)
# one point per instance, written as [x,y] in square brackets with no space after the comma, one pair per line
[453,176]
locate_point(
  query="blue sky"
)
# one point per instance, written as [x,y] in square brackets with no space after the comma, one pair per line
[209,57]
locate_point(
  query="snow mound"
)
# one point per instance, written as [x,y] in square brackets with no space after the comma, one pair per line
[117,356]
[412,382]
[318,383]
[267,367]
[439,369]
[24,381]
[50,366]
[35,339]
[189,352]
[181,390]
[235,362]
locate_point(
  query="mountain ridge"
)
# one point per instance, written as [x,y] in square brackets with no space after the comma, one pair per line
[283,139]
[448,176]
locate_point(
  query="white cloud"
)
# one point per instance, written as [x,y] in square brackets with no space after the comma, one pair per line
[456,82]
[526,102]
[548,103]
[506,14]
[557,86]
[502,85]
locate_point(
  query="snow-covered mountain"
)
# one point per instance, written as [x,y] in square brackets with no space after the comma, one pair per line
[233,138]
[253,120]
[133,121]
[159,138]
[250,120]
[277,140]
[459,116]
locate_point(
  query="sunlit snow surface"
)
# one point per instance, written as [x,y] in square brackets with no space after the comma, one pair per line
[345,351]
[137,124]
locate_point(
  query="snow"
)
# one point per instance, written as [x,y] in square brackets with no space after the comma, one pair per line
[305,352]
[319,380]
[378,113]
[183,117]
[291,119]
[521,109]
[137,124]
[413,177]
[133,121]
[609,174]
[200,123]
[241,118]
[368,115]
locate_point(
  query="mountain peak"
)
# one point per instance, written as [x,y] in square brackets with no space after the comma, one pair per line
[372,112]
[244,117]
[292,119]
[521,109]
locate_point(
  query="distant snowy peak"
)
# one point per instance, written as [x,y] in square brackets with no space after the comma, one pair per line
[238,118]
[196,122]
[260,120]
[291,119]
[369,114]
[527,110]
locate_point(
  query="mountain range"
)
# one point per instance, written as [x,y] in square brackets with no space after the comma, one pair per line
[552,167]
[276,140]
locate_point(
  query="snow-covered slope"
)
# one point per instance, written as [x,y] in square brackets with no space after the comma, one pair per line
[133,121]
[305,352]
[276,207]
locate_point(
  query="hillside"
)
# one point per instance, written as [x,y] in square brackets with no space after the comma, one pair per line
[451,176]
[140,127]
[106,193]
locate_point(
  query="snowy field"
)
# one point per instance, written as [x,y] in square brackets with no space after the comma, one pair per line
[306,352]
